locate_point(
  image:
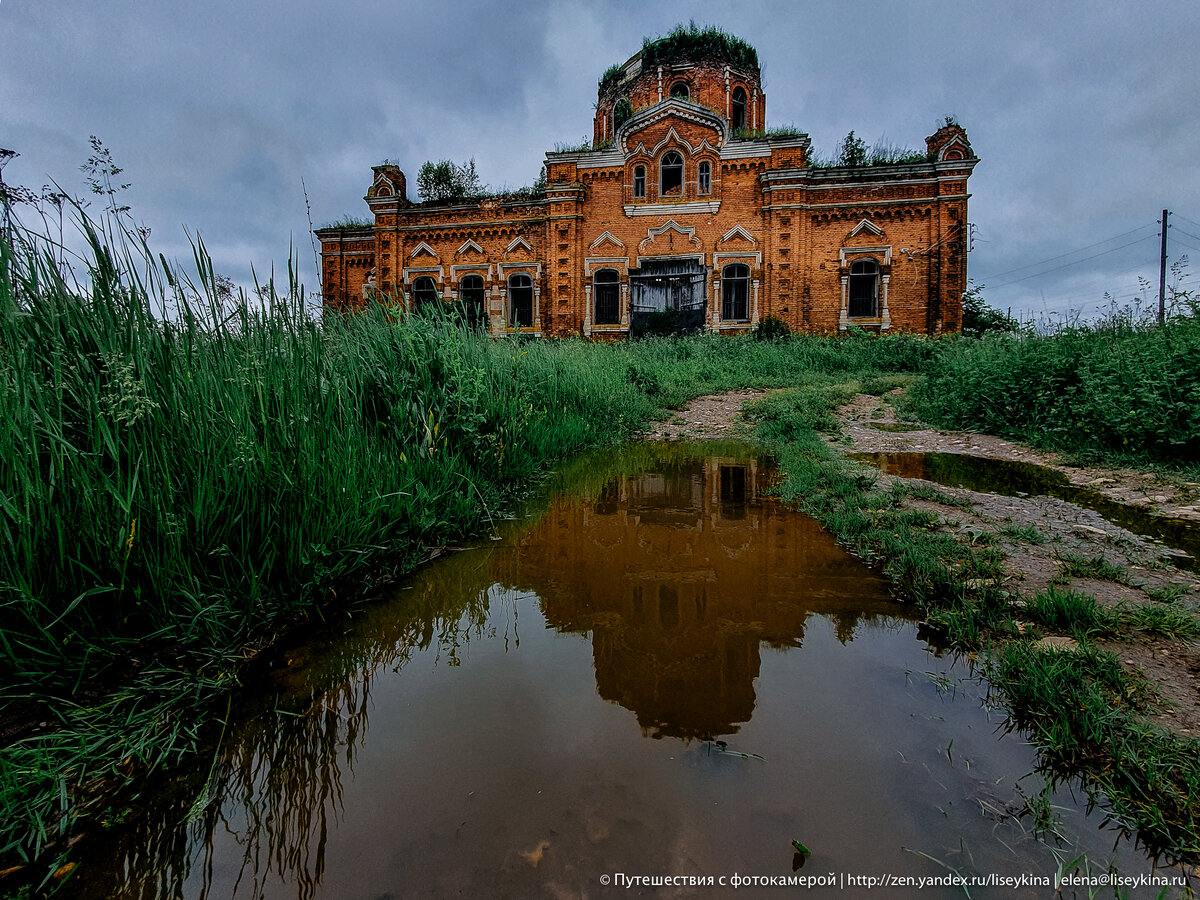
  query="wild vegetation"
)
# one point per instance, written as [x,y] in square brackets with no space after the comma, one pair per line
[691,42]
[186,472]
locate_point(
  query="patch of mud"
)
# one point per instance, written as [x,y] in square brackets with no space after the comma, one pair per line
[712,416]
[1174,670]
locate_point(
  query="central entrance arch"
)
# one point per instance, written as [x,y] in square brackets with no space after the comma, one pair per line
[667,294]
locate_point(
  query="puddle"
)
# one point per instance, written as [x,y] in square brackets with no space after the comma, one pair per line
[656,671]
[1016,479]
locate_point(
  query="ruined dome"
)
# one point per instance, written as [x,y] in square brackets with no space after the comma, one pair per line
[706,66]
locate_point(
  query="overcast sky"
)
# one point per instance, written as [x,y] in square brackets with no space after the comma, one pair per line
[1086,116]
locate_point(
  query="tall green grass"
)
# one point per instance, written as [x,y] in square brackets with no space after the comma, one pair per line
[1123,386]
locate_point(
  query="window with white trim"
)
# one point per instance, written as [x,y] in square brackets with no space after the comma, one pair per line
[670,174]
[520,301]
[704,178]
[639,182]
[737,119]
[864,289]
[735,293]
[424,292]
[471,298]
[606,297]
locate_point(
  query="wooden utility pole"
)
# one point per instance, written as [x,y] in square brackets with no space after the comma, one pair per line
[1162,273]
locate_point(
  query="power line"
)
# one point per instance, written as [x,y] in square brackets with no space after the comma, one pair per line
[1074,262]
[1188,233]
[1073,252]
[1186,219]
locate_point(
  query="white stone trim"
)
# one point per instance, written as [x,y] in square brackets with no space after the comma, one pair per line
[695,207]
[607,236]
[670,225]
[408,273]
[518,242]
[422,248]
[592,263]
[736,231]
[514,267]
[868,226]
[468,245]
[744,150]
[865,251]
[642,260]
[470,269]
[734,256]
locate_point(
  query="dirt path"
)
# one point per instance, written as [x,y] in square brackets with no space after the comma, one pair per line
[712,416]
[1044,541]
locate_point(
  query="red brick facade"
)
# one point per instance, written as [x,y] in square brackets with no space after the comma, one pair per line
[679,210]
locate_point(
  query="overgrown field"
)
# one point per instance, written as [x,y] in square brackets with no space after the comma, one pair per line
[182,476]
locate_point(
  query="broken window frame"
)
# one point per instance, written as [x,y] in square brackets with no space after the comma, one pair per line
[667,164]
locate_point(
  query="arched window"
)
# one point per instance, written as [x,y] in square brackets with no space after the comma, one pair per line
[639,181]
[470,296]
[864,288]
[737,120]
[704,178]
[680,89]
[424,292]
[670,174]
[735,293]
[520,301]
[606,287]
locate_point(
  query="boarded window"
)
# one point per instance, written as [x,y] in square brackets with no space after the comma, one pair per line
[735,293]
[606,289]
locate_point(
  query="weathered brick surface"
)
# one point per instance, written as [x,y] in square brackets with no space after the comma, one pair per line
[799,229]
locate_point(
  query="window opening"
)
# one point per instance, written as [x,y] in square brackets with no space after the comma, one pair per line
[704,178]
[606,289]
[470,295]
[738,119]
[670,175]
[639,182]
[424,292]
[520,301]
[680,89]
[864,288]
[735,293]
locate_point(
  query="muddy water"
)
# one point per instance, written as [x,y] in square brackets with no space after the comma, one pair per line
[655,671]
[1019,479]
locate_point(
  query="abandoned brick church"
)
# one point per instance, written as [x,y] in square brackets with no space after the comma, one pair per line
[685,203]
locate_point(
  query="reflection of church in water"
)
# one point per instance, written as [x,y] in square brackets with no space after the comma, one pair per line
[680,575]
